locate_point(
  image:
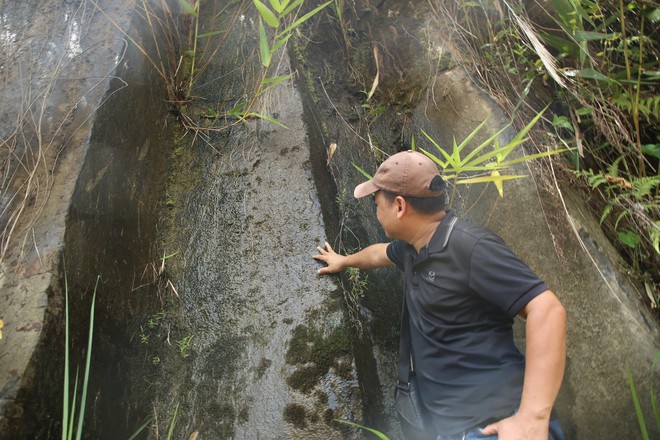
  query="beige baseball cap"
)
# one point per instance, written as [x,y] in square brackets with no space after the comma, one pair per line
[408,173]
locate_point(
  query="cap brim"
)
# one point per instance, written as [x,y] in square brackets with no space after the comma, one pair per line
[364,189]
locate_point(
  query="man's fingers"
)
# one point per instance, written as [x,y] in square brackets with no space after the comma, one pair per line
[327,245]
[490,429]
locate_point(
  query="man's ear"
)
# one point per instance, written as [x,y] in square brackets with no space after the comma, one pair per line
[401,206]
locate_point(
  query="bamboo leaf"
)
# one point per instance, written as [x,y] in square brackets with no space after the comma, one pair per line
[237,110]
[533,156]
[484,144]
[467,140]
[279,43]
[501,151]
[498,182]
[522,133]
[266,118]
[489,179]
[304,18]
[436,159]
[277,6]
[273,82]
[440,149]
[291,7]
[267,14]
[264,48]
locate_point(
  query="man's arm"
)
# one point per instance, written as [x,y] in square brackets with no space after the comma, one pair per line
[544,370]
[371,257]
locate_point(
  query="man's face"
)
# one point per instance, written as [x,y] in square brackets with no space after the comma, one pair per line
[385,213]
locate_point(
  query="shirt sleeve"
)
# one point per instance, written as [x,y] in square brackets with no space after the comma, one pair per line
[396,252]
[499,276]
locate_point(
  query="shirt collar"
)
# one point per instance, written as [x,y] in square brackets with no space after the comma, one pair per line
[441,235]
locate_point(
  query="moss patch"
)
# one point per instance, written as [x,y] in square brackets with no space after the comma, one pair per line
[315,353]
[296,415]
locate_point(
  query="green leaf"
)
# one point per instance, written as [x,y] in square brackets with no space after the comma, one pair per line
[629,238]
[190,9]
[142,427]
[654,15]
[304,18]
[267,14]
[651,150]
[266,118]
[264,48]
[291,7]
[88,365]
[364,173]
[170,431]
[591,36]
[378,434]
[274,81]
[562,122]
[237,110]
[279,43]
[594,74]
[210,34]
[489,179]
[436,159]
[638,407]
[533,156]
[277,6]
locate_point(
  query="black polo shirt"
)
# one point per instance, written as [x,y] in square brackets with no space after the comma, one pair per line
[463,290]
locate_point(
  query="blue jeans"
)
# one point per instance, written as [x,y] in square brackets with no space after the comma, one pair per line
[475,434]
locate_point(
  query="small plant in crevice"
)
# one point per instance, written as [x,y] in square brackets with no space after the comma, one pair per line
[183,52]
[184,345]
[641,420]
[353,293]
[69,428]
[71,406]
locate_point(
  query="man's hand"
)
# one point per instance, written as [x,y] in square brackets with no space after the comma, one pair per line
[519,427]
[371,257]
[334,261]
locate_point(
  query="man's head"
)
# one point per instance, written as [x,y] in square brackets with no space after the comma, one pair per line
[409,174]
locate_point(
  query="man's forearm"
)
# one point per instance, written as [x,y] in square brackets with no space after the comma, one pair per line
[545,356]
[371,257]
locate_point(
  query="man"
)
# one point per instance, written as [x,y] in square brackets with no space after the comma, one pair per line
[464,288]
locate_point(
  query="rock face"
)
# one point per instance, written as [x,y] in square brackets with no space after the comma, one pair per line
[60,59]
[209,300]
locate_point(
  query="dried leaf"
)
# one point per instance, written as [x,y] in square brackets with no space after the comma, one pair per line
[331,151]
[650,294]
[623,183]
[193,435]
[376,79]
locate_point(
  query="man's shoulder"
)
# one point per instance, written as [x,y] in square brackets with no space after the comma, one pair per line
[468,232]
